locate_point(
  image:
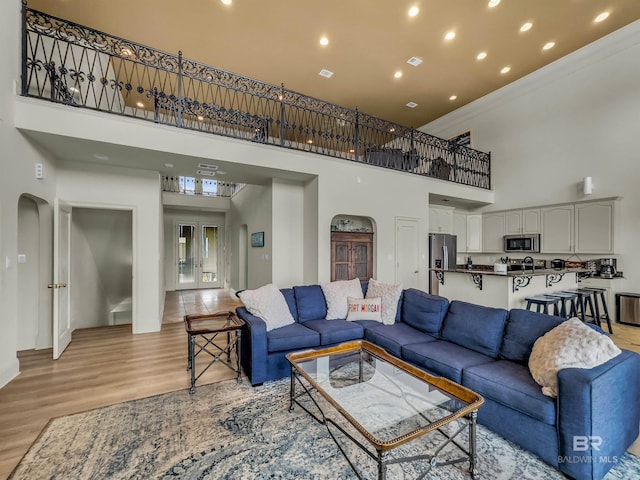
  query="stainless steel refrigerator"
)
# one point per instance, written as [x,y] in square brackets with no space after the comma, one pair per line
[442,254]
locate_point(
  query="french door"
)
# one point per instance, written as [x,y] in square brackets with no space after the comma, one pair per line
[197,255]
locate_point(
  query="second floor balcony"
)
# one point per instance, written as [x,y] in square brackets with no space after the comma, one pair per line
[67,63]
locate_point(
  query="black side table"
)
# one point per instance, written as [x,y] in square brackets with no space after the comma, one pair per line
[209,328]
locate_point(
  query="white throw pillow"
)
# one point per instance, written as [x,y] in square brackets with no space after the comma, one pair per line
[269,304]
[572,344]
[390,295]
[365,309]
[337,294]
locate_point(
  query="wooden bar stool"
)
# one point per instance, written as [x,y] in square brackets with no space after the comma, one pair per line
[585,301]
[568,303]
[599,299]
[542,303]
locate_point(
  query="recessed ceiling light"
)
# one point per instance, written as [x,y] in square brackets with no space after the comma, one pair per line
[450,35]
[493,3]
[101,156]
[412,104]
[415,61]
[603,16]
[325,73]
[526,27]
[505,70]
[481,55]
[309,142]
[352,151]
[324,41]
[392,129]
[126,52]
[140,104]
[453,97]
[168,165]
[398,74]
[226,2]
[413,11]
[549,45]
[200,118]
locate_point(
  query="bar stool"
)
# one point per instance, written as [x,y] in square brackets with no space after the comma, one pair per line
[585,300]
[568,305]
[599,294]
[542,303]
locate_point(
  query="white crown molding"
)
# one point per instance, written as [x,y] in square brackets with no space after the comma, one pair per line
[595,52]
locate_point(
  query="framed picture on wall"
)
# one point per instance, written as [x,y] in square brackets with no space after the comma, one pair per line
[257,239]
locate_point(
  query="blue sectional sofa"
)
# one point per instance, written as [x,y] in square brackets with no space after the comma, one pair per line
[582,433]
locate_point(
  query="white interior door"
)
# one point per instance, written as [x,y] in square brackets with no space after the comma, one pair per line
[198,255]
[61,266]
[407,252]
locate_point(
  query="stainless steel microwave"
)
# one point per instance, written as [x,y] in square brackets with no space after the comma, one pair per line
[522,243]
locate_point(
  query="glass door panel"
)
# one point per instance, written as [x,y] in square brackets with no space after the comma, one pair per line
[210,277]
[186,256]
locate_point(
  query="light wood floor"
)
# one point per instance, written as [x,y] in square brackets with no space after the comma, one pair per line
[103,366]
[108,365]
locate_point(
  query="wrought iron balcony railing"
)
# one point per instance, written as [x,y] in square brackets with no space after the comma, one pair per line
[75,65]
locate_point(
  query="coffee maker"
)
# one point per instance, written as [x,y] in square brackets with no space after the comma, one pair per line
[607,267]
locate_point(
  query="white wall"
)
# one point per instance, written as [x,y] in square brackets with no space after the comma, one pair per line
[288,233]
[577,117]
[28,272]
[17,162]
[84,185]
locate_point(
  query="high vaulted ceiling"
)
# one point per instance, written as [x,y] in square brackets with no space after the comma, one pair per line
[278,41]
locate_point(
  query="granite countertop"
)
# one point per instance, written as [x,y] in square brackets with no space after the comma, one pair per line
[516,273]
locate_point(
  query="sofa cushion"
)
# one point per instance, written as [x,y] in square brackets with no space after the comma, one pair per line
[268,303]
[310,302]
[475,327]
[336,295]
[523,328]
[510,384]
[335,331]
[292,337]
[390,295]
[393,337]
[443,358]
[422,311]
[290,297]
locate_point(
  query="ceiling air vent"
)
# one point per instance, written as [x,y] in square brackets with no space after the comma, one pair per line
[415,61]
[207,173]
[326,73]
[208,166]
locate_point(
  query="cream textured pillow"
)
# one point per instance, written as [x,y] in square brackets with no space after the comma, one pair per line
[572,344]
[269,304]
[337,294]
[390,295]
[364,309]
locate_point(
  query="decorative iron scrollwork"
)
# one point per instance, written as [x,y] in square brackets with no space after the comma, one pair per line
[521,281]
[554,278]
[477,279]
[440,276]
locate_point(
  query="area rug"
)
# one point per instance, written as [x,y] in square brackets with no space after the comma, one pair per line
[234,431]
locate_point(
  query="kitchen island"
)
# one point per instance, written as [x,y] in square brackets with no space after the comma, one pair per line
[503,290]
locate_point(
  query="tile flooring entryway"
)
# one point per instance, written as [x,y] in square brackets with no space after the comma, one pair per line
[179,303]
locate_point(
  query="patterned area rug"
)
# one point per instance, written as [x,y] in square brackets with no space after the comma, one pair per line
[231,431]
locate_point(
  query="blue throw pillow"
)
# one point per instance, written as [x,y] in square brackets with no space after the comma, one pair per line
[310,302]
[475,327]
[290,297]
[422,311]
[524,327]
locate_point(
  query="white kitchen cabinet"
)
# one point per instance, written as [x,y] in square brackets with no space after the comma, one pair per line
[440,219]
[522,221]
[460,231]
[557,229]
[493,231]
[594,232]
[474,233]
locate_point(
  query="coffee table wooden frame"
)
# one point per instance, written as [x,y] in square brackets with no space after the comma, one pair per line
[473,400]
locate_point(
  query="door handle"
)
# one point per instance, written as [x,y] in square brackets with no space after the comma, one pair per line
[57,285]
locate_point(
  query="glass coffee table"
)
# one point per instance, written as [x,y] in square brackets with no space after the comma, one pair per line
[387,401]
